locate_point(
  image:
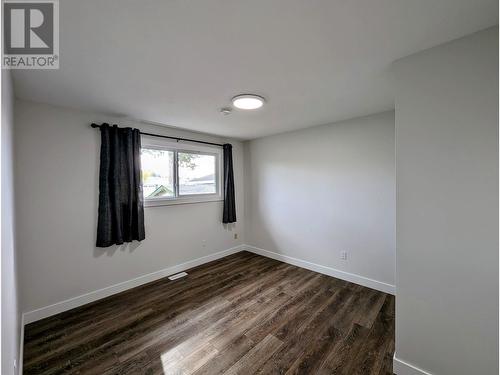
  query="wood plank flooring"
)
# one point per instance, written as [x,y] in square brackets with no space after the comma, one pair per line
[243,314]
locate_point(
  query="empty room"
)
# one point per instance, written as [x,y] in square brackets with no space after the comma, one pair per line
[250,187]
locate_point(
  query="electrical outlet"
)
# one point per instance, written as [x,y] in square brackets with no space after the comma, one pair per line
[236,236]
[343,255]
[203,243]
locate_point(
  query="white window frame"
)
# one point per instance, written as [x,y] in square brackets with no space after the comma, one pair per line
[166,145]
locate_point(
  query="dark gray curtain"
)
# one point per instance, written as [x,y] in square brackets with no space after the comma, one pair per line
[121,206]
[229,213]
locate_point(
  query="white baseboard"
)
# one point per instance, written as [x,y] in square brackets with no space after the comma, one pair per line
[400,367]
[21,348]
[351,277]
[56,308]
[71,303]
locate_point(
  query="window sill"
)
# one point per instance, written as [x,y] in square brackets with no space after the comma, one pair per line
[173,202]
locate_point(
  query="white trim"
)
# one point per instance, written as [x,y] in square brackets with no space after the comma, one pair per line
[21,348]
[71,303]
[351,277]
[401,367]
[173,201]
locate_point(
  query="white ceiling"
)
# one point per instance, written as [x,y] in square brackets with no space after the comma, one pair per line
[178,62]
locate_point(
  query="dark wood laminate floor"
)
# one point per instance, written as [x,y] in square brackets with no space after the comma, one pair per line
[243,314]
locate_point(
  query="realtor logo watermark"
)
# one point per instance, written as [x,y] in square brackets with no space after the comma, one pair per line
[30,34]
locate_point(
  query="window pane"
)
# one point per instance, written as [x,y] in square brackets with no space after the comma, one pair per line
[196,174]
[157,173]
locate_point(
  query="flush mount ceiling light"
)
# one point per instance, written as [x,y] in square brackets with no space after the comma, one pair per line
[248,101]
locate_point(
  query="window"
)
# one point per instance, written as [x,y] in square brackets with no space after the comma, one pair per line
[175,173]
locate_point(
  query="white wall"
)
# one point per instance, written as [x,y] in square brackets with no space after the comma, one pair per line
[315,192]
[57,160]
[447,207]
[10,306]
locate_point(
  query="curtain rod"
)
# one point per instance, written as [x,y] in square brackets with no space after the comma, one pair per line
[166,136]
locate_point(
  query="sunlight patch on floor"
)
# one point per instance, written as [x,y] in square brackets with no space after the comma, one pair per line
[171,361]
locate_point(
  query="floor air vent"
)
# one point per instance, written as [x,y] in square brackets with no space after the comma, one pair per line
[177,276]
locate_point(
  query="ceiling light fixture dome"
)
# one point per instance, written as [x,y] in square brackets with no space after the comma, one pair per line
[248,101]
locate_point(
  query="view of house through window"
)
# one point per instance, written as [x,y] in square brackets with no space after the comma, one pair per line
[157,173]
[194,174]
